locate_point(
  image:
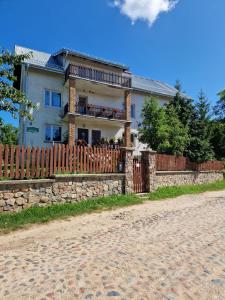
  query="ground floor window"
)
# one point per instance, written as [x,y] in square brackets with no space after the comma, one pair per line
[53,133]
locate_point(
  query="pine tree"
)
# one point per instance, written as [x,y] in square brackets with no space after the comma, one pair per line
[200,148]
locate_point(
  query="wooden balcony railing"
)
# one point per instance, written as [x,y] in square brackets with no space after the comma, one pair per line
[100,76]
[98,111]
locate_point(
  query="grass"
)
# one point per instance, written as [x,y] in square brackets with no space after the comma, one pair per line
[176,191]
[13,221]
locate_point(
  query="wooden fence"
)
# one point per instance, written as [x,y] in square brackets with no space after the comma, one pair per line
[19,162]
[180,163]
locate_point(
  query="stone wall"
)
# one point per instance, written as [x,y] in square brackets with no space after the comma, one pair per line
[165,178]
[17,195]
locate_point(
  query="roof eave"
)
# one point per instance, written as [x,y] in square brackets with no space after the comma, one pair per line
[151,92]
[44,68]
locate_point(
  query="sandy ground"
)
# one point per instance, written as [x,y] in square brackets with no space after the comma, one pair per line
[173,249]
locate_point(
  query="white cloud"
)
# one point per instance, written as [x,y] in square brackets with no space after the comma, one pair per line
[147,10]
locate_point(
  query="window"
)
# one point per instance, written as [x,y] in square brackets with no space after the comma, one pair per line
[133,111]
[52,98]
[47,98]
[56,99]
[53,133]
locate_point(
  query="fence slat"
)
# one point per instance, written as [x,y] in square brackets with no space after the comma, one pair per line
[42,162]
[37,162]
[74,159]
[55,159]
[33,158]
[63,158]
[28,162]
[51,158]
[18,162]
[1,152]
[47,162]
[12,161]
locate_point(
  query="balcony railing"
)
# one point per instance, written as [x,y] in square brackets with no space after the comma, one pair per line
[97,111]
[100,76]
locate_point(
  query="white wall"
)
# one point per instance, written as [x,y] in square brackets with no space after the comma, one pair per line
[38,81]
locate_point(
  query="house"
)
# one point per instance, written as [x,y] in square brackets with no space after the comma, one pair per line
[80,97]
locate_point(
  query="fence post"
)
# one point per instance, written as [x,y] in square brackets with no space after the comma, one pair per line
[148,158]
[128,169]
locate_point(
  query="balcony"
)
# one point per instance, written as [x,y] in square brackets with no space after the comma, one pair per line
[97,111]
[99,76]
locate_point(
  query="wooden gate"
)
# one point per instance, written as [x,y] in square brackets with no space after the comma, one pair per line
[139,176]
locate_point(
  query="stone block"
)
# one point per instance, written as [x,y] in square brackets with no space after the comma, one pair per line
[7,196]
[2,203]
[44,199]
[20,201]
[10,202]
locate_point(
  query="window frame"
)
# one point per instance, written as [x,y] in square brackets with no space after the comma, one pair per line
[133,111]
[50,98]
[51,133]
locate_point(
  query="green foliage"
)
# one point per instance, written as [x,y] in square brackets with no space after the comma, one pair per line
[218,139]
[8,133]
[219,109]
[184,108]
[200,148]
[161,129]
[11,99]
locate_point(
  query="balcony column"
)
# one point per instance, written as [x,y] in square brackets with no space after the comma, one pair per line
[127,125]
[71,120]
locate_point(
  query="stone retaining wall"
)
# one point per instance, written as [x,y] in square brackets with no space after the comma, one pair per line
[165,178]
[17,195]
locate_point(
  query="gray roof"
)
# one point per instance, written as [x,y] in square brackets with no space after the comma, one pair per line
[153,86]
[40,59]
[49,61]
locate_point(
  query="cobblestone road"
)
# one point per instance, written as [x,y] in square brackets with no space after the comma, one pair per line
[173,249]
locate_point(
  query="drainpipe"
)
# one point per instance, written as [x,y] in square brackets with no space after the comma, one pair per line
[24,88]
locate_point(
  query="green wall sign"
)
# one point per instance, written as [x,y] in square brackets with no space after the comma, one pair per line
[32,129]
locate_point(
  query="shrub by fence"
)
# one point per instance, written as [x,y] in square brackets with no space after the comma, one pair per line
[19,162]
[181,163]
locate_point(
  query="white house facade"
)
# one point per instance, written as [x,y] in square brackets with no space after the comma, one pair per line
[79,97]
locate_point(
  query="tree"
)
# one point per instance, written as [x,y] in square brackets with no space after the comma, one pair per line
[218,139]
[11,99]
[219,109]
[161,129]
[8,133]
[200,148]
[183,106]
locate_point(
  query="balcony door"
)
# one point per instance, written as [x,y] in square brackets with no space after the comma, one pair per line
[82,105]
[83,134]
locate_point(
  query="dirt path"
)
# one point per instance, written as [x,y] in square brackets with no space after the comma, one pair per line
[173,249]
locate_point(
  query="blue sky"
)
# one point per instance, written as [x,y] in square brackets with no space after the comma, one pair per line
[186,43]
